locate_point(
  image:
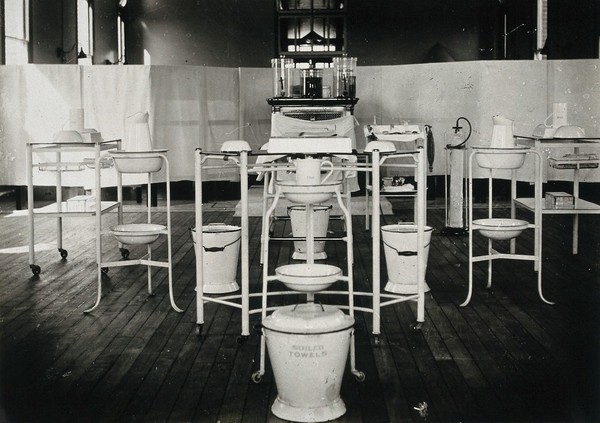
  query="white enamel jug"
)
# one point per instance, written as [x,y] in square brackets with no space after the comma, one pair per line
[138,133]
[502,132]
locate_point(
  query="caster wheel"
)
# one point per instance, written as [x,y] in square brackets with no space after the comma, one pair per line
[124,252]
[376,340]
[416,326]
[242,339]
[359,376]
[63,253]
[257,377]
[199,329]
[104,270]
[35,269]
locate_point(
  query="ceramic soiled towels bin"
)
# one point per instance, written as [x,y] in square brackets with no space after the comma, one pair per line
[221,250]
[308,346]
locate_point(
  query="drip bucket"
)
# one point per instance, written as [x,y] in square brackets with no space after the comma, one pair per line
[400,246]
[297,216]
[308,347]
[221,250]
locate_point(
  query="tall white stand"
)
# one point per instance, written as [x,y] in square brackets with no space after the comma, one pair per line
[142,236]
[500,229]
[385,299]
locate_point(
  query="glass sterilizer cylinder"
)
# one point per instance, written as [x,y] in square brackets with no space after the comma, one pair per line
[283,75]
[344,79]
[312,83]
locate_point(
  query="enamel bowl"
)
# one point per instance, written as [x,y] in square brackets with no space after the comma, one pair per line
[68,136]
[138,161]
[308,277]
[569,131]
[308,194]
[500,158]
[137,233]
[500,229]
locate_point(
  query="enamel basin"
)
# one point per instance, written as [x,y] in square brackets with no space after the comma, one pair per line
[137,233]
[308,277]
[499,228]
[500,158]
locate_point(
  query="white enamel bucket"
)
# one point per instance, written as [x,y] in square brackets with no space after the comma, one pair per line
[221,250]
[400,246]
[320,223]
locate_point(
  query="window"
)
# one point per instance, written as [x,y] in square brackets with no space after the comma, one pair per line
[85,31]
[541,28]
[120,38]
[16,32]
[311,30]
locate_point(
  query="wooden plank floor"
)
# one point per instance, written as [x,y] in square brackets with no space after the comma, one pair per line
[507,356]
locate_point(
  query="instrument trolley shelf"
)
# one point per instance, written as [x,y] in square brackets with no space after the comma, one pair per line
[59,210]
[406,136]
[575,163]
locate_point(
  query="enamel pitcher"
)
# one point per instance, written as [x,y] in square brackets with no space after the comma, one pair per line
[502,133]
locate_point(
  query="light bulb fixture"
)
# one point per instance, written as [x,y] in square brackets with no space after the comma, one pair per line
[63,53]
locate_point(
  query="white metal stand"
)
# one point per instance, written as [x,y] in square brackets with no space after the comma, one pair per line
[241,300]
[375,159]
[504,229]
[147,259]
[308,195]
[410,135]
[419,164]
[581,207]
[59,210]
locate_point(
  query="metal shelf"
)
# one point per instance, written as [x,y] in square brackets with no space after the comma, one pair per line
[581,207]
[59,210]
[52,210]
[544,146]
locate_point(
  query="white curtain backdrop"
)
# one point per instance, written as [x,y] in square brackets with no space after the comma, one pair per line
[201,107]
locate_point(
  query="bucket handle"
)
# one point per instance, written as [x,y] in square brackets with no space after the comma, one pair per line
[217,249]
[404,253]
[214,249]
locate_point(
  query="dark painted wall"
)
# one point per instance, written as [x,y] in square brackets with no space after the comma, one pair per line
[241,33]
[392,32]
[573,29]
[105,32]
[201,32]
[54,26]
[47,21]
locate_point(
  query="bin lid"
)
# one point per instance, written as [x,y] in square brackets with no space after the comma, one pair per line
[308,318]
[404,228]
